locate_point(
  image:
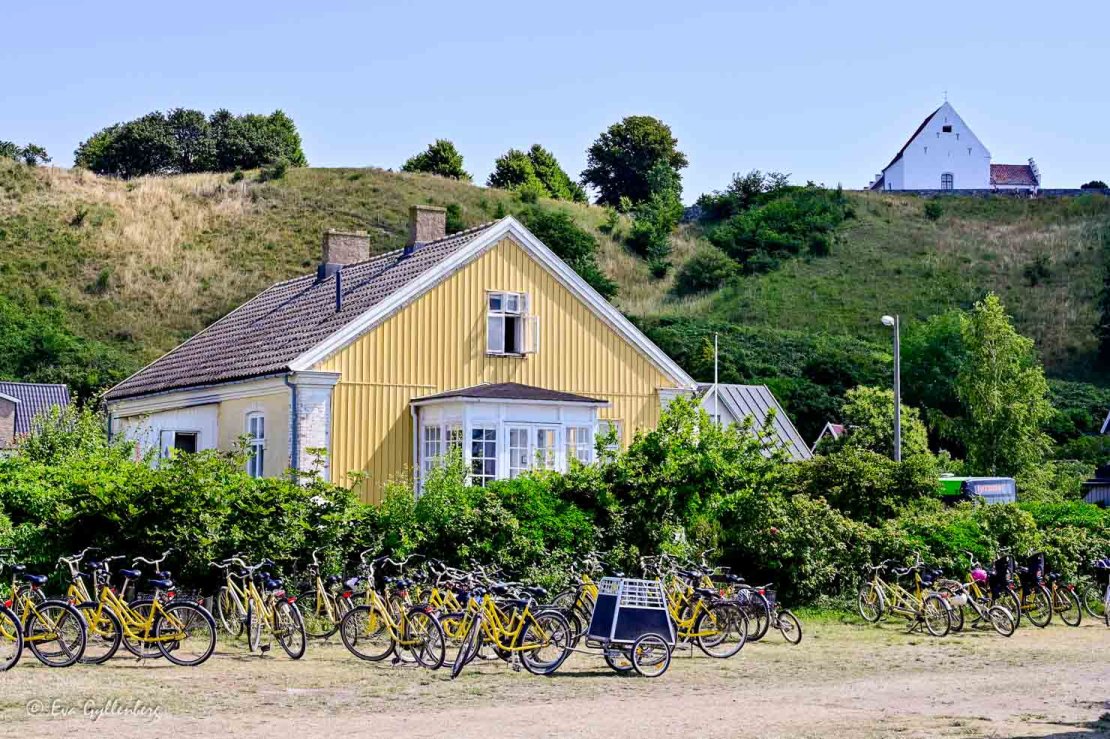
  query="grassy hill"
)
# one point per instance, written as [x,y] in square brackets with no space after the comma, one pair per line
[136,267]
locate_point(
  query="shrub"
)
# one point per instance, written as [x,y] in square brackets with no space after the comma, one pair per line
[868,412]
[275,171]
[574,245]
[440,158]
[933,210]
[706,270]
[796,221]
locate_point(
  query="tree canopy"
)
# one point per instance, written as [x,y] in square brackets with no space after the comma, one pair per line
[184,141]
[620,161]
[441,158]
[32,154]
[535,171]
[868,414]
[1003,390]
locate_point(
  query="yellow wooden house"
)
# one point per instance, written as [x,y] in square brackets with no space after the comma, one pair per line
[482,340]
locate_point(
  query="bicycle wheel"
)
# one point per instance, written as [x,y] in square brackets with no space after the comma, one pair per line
[1038,606]
[55,632]
[186,633]
[759,615]
[870,603]
[790,627]
[423,638]
[545,642]
[721,630]
[619,660]
[1067,605]
[253,625]
[937,615]
[365,634]
[320,613]
[958,617]
[1002,620]
[11,639]
[468,649]
[229,612]
[141,648]
[566,602]
[1010,602]
[651,655]
[1091,598]
[289,629]
[104,633]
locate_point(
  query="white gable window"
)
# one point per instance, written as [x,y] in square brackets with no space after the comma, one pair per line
[510,328]
[947,181]
[256,444]
[580,444]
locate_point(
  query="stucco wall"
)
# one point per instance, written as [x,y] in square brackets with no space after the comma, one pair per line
[233,424]
[934,152]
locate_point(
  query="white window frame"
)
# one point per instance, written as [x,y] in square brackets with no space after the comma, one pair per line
[579,444]
[520,456]
[502,305]
[603,427]
[545,457]
[484,478]
[256,464]
[432,442]
[166,448]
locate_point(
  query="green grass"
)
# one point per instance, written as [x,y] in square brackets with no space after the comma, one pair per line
[142,265]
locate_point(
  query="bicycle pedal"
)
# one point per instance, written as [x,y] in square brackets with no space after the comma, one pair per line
[263,648]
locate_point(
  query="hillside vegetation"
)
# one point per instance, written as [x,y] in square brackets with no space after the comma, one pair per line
[133,268]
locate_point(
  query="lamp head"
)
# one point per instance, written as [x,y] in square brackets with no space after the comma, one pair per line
[888,321]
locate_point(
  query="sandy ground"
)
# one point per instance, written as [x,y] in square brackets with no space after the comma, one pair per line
[843,680]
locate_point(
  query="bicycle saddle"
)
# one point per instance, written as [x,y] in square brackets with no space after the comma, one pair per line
[19,568]
[131,574]
[272,583]
[499,589]
[706,592]
[160,584]
[537,592]
[34,579]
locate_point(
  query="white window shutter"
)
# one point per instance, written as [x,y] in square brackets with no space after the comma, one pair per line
[495,334]
[531,334]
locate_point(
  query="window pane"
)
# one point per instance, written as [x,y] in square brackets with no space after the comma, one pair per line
[495,334]
[495,301]
[512,303]
[185,442]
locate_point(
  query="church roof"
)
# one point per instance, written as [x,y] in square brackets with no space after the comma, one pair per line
[1013,174]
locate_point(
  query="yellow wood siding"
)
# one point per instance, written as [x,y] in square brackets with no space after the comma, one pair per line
[438,343]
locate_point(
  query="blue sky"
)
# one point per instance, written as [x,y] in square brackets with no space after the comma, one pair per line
[825,91]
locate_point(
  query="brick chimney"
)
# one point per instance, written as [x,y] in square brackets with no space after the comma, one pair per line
[426,223]
[340,249]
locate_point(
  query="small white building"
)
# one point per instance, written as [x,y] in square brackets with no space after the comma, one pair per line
[945,154]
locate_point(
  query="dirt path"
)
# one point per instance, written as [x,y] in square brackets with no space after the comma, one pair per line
[843,680]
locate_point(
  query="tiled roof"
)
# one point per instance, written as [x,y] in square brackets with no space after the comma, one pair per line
[34,398]
[510,391]
[757,401]
[265,334]
[1013,174]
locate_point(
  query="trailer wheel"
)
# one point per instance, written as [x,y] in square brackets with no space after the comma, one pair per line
[618,659]
[651,655]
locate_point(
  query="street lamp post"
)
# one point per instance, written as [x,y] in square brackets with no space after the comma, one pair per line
[894,323]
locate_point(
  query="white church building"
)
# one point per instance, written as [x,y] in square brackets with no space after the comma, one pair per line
[944,154]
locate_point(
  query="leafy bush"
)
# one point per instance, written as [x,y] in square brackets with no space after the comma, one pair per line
[657,216]
[441,158]
[706,270]
[574,245]
[37,346]
[868,413]
[795,221]
[185,141]
[745,192]
[933,210]
[32,154]
[274,171]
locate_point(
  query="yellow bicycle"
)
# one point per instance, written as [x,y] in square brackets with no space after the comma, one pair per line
[383,626]
[52,629]
[920,606]
[270,610]
[161,625]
